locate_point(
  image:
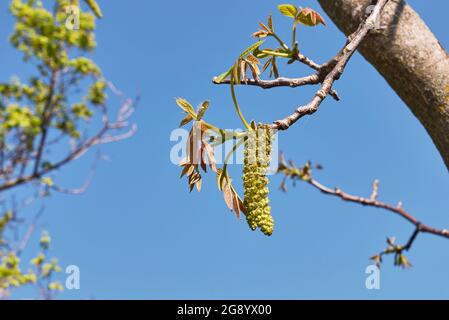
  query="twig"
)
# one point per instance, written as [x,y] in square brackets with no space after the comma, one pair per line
[398,209]
[22,245]
[289,170]
[282,82]
[46,118]
[305,60]
[86,183]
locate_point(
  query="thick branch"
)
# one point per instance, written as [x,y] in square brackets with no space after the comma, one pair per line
[408,55]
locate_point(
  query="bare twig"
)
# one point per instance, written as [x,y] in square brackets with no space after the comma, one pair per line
[307,61]
[46,118]
[31,228]
[86,183]
[282,82]
[398,209]
[289,170]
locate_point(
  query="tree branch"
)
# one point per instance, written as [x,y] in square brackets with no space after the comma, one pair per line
[282,82]
[305,174]
[278,82]
[101,137]
[338,64]
[410,58]
[396,209]
[46,118]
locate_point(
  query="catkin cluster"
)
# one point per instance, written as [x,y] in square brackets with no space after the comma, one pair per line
[255,181]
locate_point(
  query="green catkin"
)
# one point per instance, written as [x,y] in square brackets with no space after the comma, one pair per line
[255,182]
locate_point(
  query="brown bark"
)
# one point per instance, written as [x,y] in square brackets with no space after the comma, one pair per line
[408,55]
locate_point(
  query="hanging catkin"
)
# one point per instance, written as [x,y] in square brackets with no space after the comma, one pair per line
[255,181]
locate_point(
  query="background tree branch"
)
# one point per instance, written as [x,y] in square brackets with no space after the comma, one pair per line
[290,171]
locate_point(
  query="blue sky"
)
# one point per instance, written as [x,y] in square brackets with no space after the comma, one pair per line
[137,233]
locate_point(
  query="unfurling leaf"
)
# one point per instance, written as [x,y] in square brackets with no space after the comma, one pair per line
[93,5]
[202,109]
[251,48]
[235,77]
[219,180]
[253,63]
[231,198]
[243,64]
[236,205]
[199,184]
[260,34]
[228,196]
[264,27]
[270,23]
[377,259]
[274,68]
[186,169]
[266,65]
[223,76]
[186,106]
[47,181]
[186,120]
[391,241]
[288,10]
[310,17]
[402,261]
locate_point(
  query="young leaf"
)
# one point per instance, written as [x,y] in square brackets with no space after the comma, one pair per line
[199,184]
[274,69]
[186,120]
[270,23]
[236,203]
[186,106]
[266,65]
[260,34]
[264,27]
[310,17]
[93,5]
[228,196]
[235,77]
[47,181]
[185,170]
[202,109]
[210,156]
[288,10]
[251,48]
[253,59]
[253,63]
[223,76]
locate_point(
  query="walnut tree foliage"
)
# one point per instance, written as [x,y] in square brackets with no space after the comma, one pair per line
[248,68]
[257,138]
